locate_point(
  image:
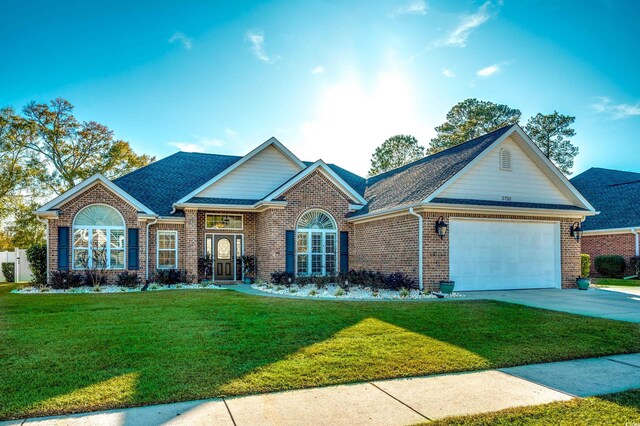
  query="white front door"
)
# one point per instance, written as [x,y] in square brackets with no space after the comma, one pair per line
[502,254]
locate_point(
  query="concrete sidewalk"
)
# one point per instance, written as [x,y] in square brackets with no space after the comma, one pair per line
[387,402]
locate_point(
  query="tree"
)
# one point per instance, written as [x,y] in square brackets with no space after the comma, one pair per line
[469,119]
[26,230]
[395,152]
[551,132]
[72,151]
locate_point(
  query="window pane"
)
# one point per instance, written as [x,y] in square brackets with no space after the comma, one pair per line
[330,243]
[238,247]
[330,264]
[316,219]
[316,264]
[81,238]
[99,238]
[80,259]
[302,264]
[166,259]
[167,240]
[99,258]
[316,243]
[224,249]
[302,246]
[117,238]
[224,221]
[99,215]
[117,259]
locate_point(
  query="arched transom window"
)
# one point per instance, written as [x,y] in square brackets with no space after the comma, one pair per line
[98,238]
[316,236]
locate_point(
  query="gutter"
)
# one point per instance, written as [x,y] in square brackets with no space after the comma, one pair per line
[420,257]
[146,275]
[635,232]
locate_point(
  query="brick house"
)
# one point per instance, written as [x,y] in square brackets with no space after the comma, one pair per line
[616,195]
[491,213]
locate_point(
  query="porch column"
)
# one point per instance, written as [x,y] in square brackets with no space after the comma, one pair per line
[191,244]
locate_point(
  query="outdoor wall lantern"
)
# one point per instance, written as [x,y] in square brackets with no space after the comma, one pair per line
[576,231]
[441,227]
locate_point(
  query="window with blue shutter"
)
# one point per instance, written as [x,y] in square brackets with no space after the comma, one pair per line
[290,251]
[344,251]
[133,251]
[63,248]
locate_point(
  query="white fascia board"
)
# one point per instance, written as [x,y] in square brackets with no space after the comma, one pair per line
[86,184]
[326,170]
[259,206]
[396,211]
[612,231]
[272,141]
[478,208]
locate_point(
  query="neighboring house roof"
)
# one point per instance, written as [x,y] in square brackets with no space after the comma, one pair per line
[413,182]
[615,193]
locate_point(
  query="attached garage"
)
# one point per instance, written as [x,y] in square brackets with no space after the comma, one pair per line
[503,254]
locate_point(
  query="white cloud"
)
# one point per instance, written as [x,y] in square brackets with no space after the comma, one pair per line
[257,47]
[187,43]
[202,145]
[458,37]
[488,71]
[353,117]
[230,133]
[617,111]
[415,7]
[448,73]
[318,70]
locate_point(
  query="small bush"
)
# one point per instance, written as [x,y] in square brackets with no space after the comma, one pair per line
[282,278]
[397,281]
[340,292]
[128,280]
[63,280]
[361,277]
[585,265]
[9,272]
[94,279]
[610,265]
[169,276]
[404,293]
[634,264]
[37,257]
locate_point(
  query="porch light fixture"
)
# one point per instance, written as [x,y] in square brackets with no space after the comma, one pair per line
[576,231]
[441,227]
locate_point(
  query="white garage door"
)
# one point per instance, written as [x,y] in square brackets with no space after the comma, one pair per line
[498,255]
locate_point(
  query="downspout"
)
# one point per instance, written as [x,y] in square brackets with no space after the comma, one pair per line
[634,232]
[45,222]
[420,257]
[146,275]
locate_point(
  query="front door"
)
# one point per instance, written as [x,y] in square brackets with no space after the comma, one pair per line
[223,257]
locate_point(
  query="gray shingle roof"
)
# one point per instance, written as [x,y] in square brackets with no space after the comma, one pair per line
[412,183]
[614,193]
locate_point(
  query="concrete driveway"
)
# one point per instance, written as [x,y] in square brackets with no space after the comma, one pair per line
[610,303]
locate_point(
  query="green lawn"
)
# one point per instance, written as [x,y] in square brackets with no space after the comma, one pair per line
[80,352]
[617,282]
[616,409]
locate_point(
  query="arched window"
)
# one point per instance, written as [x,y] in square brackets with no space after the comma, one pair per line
[98,238]
[316,236]
[505,159]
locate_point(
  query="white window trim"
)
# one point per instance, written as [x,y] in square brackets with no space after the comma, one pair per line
[213,255]
[206,219]
[158,249]
[324,252]
[89,247]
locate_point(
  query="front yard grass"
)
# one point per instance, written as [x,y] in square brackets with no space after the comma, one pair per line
[83,352]
[617,282]
[615,409]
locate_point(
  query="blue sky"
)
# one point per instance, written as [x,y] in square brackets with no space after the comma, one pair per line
[330,79]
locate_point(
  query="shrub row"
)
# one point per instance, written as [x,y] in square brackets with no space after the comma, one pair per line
[63,280]
[361,277]
[610,265]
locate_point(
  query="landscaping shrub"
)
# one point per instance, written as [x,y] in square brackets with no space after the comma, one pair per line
[610,265]
[63,280]
[397,281]
[282,278]
[585,265]
[9,272]
[362,277]
[94,278]
[169,276]
[634,264]
[37,257]
[129,280]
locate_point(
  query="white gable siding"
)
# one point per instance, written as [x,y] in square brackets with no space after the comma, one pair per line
[525,182]
[254,179]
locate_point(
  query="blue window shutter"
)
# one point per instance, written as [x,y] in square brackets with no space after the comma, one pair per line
[344,251]
[63,248]
[133,264]
[290,251]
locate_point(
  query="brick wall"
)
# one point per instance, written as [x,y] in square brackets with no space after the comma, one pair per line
[314,191]
[153,240]
[599,245]
[95,194]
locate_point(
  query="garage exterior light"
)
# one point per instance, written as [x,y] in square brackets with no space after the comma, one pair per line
[576,231]
[441,227]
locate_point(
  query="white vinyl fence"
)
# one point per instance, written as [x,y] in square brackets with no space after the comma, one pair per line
[19,258]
